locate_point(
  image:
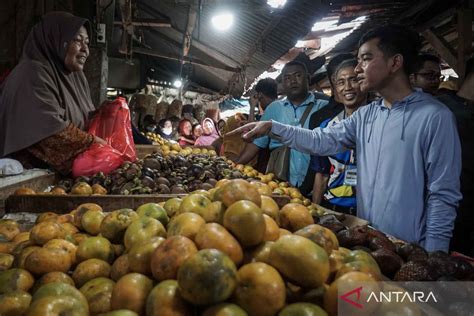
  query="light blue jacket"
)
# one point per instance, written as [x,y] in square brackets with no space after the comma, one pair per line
[285,112]
[408,163]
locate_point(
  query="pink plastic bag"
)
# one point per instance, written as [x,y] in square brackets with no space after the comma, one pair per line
[97,158]
[111,123]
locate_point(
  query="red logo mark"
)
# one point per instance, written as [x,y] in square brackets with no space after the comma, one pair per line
[346,298]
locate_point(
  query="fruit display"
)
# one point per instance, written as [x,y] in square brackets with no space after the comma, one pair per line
[172,174]
[225,251]
[402,261]
[172,148]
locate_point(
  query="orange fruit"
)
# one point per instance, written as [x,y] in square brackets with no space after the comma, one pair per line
[295,216]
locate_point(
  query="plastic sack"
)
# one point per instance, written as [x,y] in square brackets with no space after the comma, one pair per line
[112,124]
[10,167]
[98,157]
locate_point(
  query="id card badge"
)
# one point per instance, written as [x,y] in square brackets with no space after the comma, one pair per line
[350,176]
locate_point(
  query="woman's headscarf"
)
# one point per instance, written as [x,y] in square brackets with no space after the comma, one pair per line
[41,97]
[207,140]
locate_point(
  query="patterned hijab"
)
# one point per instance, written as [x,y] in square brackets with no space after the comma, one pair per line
[207,139]
[41,97]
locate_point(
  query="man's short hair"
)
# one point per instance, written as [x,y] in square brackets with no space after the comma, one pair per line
[396,39]
[268,87]
[295,63]
[424,57]
[346,63]
[334,63]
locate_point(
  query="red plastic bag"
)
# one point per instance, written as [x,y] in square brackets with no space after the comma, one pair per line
[112,123]
[98,157]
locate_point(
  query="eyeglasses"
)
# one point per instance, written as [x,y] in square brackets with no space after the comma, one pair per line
[431,76]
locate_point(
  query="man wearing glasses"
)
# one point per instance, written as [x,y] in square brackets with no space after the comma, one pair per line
[427,73]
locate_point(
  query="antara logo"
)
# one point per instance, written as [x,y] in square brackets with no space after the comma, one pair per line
[390,296]
[401,297]
[345,297]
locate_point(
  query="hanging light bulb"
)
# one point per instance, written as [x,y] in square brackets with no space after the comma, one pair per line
[222,21]
[177,83]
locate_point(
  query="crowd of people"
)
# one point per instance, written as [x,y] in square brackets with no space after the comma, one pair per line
[207,133]
[396,160]
[386,145]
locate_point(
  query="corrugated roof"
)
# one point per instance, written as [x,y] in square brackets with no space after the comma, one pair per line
[251,19]
[294,21]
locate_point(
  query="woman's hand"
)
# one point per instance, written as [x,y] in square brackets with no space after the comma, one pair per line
[99,140]
[252,130]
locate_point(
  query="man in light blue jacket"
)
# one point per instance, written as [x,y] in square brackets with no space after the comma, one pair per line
[408,150]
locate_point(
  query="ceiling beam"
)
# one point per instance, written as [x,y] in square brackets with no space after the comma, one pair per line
[198,88]
[127,27]
[442,47]
[436,20]
[186,60]
[464,28]
[188,33]
[147,22]
[211,52]
[177,36]
[413,11]
[175,44]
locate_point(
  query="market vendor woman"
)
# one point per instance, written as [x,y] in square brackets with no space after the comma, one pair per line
[45,102]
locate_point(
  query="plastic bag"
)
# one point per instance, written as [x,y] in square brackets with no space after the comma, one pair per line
[10,167]
[112,124]
[98,157]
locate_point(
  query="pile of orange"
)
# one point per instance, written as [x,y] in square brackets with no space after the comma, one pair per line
[226,251]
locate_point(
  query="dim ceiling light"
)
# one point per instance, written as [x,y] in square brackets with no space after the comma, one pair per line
[223,21]
[177,83]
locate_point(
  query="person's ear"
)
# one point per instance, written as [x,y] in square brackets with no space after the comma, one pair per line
[397,62]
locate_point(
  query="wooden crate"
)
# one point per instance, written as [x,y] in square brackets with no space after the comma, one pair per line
[36,180]
[144,150]
[65,203]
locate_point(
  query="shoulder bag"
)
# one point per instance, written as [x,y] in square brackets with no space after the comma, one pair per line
[279,161]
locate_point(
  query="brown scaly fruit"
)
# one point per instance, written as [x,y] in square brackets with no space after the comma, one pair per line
[375,233]
[442,264]
[355,236]
[405,250]
[388,261]
[414,271]
[381,243]
[418,254]
[330,220]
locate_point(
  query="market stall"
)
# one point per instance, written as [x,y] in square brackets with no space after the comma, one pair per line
[174,227]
